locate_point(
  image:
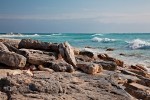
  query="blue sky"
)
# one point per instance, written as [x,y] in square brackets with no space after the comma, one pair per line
[75,16]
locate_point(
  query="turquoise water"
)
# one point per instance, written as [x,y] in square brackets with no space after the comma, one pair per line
[136,46]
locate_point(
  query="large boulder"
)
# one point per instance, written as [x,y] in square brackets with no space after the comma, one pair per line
[12,59]
[67,53]
[62,66]
[3,47]
[38,45]
[89,68]
[37,57]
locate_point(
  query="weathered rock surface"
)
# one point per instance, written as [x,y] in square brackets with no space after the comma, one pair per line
[67,52]
[58,86]
[38,57]
[62,66]
[138,91]
[107,65]
[12,59]
[83,58]
[13,42]
[3,47]
[89,68]
[38,45]
[107,58]
[87,53]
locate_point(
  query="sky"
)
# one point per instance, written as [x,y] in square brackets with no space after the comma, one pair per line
[79,16]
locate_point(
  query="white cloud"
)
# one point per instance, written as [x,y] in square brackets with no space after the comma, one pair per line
[117,18]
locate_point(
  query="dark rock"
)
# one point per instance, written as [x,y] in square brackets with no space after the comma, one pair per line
[89,68]
[67,53]
[83,58]
[87,53]
[110,49]
[107,65]
[38,45]
[138,67]
[61,66]
[12,59]
[107,58]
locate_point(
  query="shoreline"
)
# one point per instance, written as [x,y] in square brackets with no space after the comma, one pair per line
[41,62]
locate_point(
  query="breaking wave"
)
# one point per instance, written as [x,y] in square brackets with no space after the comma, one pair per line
[98,34]
[139,44]
[104,40]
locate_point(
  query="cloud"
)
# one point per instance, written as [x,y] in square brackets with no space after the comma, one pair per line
[117,18]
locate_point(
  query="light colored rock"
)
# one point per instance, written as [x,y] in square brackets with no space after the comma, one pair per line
[67,53]
[12,59]
[37,57]
[3,47]
[89,68]
[13,42]
[76,51]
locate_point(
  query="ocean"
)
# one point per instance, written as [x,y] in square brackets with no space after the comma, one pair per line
[135,46]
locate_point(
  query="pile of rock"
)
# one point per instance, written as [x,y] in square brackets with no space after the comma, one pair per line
[27,57]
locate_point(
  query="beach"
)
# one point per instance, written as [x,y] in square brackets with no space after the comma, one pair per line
[34,69]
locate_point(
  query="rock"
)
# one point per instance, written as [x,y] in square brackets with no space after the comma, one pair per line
[110,49]
[138,67]
[61,86]
[83,58]
[138,91]
[87,53]
[62,66]
[3,47]
[67,53]
[38,45]
[76,51]
[89,68]
[3,96]
[122,54]
[12,59]
[13,42]
[138,72]
[42,68]
[107,65]
[107,58]
[37,57]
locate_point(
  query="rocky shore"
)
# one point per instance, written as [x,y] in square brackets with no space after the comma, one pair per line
[35,70]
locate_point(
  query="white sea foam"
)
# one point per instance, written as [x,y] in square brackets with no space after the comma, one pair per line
[139,44]
[98,34]
[18,35]
[56,34]
[105,40]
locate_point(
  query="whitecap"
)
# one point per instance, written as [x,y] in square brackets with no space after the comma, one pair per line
[139,44]
[56,34]
[105,40]
[98,34]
